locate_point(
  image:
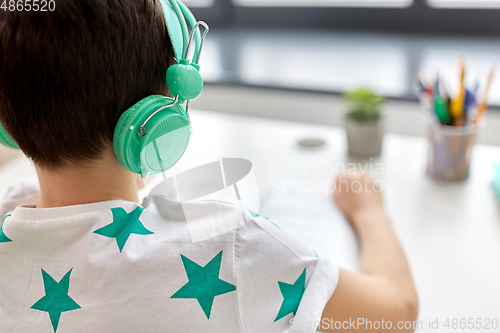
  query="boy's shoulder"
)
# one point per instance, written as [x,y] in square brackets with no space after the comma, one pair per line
[197,222]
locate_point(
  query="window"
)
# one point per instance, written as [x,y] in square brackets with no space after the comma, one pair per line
[398,16]
[465,3]
[312,3]
[284,43]
[199,3]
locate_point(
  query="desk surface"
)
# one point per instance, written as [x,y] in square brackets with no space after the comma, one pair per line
[450,231]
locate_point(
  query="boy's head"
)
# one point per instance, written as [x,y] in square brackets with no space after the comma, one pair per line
[67,75]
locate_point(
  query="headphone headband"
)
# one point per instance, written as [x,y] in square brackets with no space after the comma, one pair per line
[176,13]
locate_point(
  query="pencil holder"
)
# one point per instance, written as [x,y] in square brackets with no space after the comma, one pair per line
[450,149]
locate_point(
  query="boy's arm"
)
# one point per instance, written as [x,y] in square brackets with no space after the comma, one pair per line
[384,289]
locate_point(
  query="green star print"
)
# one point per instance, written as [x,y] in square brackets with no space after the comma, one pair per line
[123,226]
[3,238]
[204,283]
[56,299]
[257,215]
[292,294]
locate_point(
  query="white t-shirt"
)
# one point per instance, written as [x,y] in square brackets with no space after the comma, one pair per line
[116,266]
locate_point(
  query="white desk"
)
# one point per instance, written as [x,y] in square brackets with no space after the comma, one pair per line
[450,231]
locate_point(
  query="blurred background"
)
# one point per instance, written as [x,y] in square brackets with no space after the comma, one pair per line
[291,59]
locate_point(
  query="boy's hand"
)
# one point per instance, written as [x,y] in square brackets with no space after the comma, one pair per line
[358,196]
[383,289]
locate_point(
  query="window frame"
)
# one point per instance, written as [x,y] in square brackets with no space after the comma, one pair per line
[418,18]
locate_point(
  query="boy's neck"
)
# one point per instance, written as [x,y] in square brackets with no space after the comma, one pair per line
[105,179]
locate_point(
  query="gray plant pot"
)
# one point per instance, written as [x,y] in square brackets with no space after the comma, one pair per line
[364,139]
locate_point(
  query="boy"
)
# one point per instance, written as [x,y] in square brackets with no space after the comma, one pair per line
[77,251]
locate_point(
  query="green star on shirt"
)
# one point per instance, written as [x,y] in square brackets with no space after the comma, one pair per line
[3,238]
[204,283]
[292,294]
[257,215]
[123,226]
[56,299]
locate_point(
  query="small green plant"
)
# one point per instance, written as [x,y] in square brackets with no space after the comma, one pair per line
[365,106]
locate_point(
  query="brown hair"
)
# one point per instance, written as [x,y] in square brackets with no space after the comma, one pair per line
[67,75]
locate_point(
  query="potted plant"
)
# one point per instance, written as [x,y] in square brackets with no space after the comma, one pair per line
[364,122]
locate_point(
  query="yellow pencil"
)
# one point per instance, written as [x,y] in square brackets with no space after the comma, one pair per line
[457,104]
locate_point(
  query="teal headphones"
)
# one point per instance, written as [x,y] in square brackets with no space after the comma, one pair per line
[153,134]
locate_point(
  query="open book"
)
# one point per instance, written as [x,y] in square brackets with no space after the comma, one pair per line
[313,218]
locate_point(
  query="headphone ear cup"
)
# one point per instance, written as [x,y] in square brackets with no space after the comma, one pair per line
[122,151]
[6,139]
[185,81]
[165,141]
